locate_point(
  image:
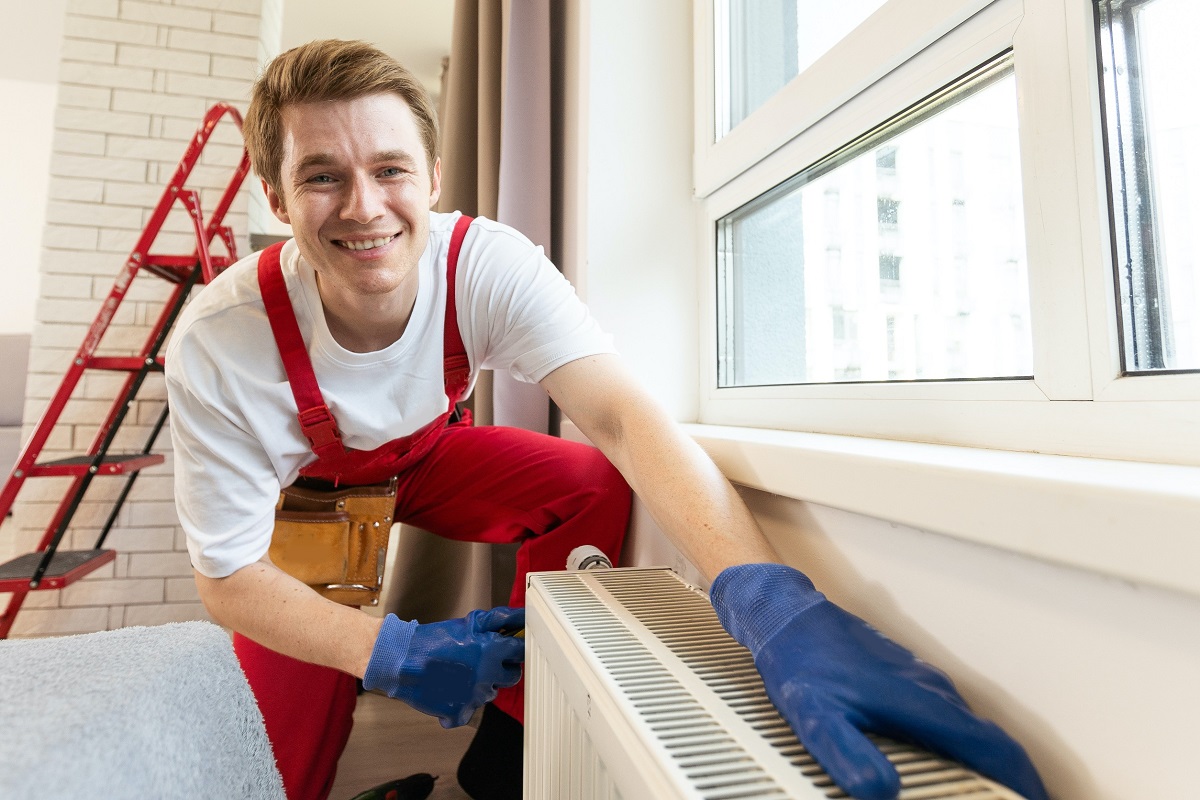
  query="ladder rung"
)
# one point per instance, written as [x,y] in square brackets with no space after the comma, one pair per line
[180,275]
[122,363]
[179,262]
[65,568]
[119,464]
[183,265]
[185,262]
[171,274]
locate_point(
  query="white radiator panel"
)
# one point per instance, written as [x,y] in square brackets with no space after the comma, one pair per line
[634,690]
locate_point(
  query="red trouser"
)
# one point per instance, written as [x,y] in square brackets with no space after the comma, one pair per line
[486,484]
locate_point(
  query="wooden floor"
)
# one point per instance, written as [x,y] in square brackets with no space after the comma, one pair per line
[390,740]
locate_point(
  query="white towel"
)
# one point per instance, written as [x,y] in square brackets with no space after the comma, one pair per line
[162,712]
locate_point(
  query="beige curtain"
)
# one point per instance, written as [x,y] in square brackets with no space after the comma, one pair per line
[496,108]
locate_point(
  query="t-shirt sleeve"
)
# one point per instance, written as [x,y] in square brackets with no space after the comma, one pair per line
[225,484]
[521,311]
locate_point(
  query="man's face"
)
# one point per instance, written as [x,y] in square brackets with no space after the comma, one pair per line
[356,188]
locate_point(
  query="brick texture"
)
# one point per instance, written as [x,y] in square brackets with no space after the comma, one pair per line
[135,78]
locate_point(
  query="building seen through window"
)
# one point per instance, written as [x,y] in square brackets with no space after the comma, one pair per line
[1152,130]
[901,257]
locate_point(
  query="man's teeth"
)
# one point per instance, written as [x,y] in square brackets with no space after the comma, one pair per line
[366,244]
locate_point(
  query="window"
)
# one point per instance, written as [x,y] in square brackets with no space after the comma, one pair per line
[844,326]
[1153,125]
[769,42]
[768,293]
[889,212]
[889,267]
[916,235]
[885,160]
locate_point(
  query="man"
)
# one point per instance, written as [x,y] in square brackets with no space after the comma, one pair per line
[383,297]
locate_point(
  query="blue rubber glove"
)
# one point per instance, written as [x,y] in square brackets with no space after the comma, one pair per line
[448,669]
[832,676]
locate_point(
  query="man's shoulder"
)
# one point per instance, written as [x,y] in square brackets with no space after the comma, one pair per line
[235,286]
[226,303]
[442,225]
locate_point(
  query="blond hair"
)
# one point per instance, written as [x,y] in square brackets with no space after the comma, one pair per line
[327,69]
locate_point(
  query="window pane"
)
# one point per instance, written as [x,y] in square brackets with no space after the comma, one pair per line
[769,42]
[1153,129]
[901,257]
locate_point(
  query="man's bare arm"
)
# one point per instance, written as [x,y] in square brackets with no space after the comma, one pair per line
[684,491]
[278,611]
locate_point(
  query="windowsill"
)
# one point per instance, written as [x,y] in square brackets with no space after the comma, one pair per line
[1135,521]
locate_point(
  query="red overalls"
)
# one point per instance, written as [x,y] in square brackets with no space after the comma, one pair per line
[488,484]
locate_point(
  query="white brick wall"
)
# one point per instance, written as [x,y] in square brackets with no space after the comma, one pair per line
[136,77]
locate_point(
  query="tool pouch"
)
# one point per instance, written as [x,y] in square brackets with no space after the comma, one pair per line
[335,540]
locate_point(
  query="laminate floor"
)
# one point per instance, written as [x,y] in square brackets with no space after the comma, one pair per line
[390,740]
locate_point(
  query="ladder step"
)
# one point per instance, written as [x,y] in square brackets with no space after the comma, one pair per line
[123,364]
[177,269]
[66,567]
[113,464]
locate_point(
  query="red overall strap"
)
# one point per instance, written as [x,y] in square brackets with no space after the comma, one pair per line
[456,368]
[316,421]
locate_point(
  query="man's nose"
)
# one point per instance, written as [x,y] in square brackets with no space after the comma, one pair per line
[364,201]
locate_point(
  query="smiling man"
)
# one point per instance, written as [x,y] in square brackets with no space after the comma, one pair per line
[357,188]
[336,360]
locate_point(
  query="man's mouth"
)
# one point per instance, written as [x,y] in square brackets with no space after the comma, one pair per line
[364,244]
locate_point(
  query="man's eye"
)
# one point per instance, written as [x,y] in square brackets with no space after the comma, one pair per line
[320,179]
[391,172]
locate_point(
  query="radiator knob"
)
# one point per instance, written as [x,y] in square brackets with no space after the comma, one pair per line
[587,557]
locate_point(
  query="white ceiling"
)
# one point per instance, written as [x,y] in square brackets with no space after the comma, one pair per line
[414,32]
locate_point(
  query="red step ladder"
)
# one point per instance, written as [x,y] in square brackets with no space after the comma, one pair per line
[51,568]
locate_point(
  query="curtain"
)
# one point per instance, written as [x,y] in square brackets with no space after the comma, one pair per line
[496,112]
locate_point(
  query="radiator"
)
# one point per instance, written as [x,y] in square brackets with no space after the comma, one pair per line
[634,690]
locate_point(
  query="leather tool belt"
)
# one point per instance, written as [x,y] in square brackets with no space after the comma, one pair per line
[335,540]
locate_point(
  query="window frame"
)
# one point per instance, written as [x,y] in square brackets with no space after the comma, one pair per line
[1079,401]
[893,34]
[1129,126]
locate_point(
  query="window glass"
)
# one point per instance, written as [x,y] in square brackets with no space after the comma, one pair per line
[1153,126]
[766,43]
[900,257]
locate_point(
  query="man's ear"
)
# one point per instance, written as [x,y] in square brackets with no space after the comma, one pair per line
[435,182]
[276,203]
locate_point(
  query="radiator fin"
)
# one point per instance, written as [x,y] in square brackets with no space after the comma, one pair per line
[698,695]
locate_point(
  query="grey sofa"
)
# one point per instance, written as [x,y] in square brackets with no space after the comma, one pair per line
[14,366]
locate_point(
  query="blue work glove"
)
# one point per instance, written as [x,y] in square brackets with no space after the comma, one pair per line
[448,669]
[832,677]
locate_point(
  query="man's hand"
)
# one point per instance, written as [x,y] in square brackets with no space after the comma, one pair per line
[832,677]
[448,669]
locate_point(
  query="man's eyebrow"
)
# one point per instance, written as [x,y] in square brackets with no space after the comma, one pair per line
[314,160]
[327,159]
[395,155]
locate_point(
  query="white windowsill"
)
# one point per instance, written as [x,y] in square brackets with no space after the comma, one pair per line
[1135,521]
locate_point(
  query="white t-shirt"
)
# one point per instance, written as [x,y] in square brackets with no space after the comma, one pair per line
[233,415]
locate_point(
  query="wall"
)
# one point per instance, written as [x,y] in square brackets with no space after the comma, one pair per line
[640,246]
[28,90]
[1094,675]
[135,79]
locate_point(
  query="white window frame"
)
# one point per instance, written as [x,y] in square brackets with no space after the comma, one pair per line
[1042,467]
[1078,402]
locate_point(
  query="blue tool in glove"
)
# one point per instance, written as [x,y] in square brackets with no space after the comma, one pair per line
[833,677]
[448,669]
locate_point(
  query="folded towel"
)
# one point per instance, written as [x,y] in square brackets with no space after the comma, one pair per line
[161,712]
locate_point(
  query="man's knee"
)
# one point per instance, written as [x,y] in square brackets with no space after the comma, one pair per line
[603,479]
